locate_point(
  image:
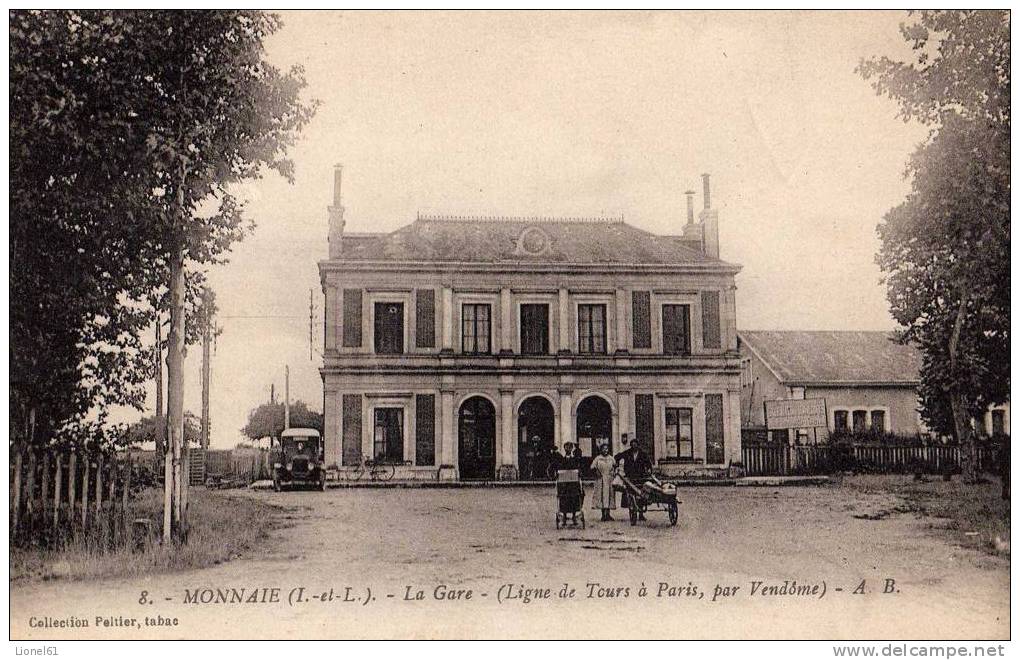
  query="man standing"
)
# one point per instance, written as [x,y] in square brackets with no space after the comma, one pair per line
[637,467]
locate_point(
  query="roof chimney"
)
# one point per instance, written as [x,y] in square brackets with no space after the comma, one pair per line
[336,215]
[338,175]
[690,206]
[707,191]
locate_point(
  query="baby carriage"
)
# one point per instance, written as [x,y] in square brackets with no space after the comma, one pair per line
[570,498]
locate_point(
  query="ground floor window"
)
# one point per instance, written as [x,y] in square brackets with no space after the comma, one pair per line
[860,420]
[388,440]
[840,420]
[878,420]
[679,433]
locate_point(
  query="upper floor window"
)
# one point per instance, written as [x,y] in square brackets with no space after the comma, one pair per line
[676,329]
[534,329]
[389,327]
[591,328]
[475,328]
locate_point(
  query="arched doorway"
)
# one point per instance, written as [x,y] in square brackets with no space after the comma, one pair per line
[594,424]
[477,439]
[536,426]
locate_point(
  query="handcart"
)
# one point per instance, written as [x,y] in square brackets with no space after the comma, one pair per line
[651,495]
[569,499]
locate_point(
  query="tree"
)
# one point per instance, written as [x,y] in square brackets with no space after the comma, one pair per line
[217,114]
[149,428]
[151,117]
[266,421]
[87,263]
[946,248]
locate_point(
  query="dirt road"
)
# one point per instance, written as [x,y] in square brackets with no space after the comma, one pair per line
[719,574]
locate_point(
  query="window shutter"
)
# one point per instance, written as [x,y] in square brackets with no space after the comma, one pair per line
[425,429]
[715,451]
[352,318]
[642,314]
[710,332]
[644,421]
[425,318]
[352,429]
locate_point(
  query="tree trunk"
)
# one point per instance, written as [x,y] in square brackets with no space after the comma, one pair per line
[957,402]
[175,402]
[160,431]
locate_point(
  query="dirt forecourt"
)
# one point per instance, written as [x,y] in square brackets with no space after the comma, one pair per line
[858,560]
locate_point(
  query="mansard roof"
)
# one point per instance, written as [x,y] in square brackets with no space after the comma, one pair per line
[835,357]
[472,239]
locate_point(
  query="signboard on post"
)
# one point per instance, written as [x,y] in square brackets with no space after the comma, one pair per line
[795,414]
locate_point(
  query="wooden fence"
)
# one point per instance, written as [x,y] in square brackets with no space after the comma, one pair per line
[777,459]
[221,467]
[56,495]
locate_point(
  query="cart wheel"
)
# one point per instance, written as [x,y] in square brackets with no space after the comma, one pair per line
[633,512]
[673,513]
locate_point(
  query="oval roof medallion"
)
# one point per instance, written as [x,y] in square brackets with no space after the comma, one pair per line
[532,242]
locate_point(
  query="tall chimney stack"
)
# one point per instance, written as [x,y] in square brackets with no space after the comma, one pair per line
[336,215]
[690,206]
[338,176]
[707,191]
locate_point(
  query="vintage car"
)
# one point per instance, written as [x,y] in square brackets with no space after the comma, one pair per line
[298,460]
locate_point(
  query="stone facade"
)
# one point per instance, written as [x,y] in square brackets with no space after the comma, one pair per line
[466,347]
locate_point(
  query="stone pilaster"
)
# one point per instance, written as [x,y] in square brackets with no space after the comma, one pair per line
[564,312]
[448,438]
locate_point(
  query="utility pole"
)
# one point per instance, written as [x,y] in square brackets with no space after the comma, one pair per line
[206,345]
[286,398]
[311,322]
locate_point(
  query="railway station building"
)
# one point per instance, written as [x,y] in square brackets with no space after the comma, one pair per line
[464,348]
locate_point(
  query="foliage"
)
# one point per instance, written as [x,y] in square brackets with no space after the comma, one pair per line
[946,248]
[147,429]
[877,438]
[267,420]
[126,131]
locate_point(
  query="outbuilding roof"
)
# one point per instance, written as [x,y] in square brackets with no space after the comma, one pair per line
[835,357]
[523,239]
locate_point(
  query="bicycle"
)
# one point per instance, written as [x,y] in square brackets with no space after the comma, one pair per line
[377,469]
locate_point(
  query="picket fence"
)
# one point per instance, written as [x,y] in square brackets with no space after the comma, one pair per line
[778,460]
[56,495]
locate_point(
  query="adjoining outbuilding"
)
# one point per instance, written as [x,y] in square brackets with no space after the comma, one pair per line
[867,379]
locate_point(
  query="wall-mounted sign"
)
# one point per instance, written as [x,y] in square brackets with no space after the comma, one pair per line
[795,414]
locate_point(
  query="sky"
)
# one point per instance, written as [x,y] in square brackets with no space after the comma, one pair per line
[572,114]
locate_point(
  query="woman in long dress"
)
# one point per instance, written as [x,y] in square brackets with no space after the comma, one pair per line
[604,467]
